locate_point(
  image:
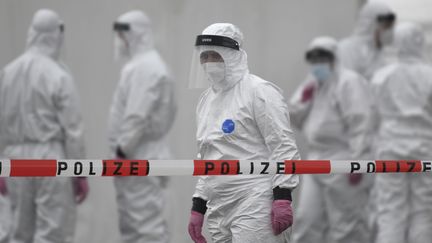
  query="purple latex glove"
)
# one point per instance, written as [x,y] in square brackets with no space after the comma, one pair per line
[3,187]
[195,227]
[281,216]
[308,93]
[81,189]
[355,179]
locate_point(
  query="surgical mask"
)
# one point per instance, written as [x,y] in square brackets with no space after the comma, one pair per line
[215,71]
[386,36]
[322,71]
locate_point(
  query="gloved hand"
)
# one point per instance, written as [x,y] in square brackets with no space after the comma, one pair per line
[195,227]
[3,187]
[81,189]
[281,216]
[355,179]
[308,93]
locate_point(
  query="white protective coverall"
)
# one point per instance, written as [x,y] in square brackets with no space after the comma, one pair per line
[142,113]
[337,124]
[239,207]
[359,51]
[404,101]
[40,119]
[5,218]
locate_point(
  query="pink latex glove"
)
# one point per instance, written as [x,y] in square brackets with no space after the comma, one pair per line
[281,216]
[355,179]
[308,93]
[195,227]
[3,187]
[81,189]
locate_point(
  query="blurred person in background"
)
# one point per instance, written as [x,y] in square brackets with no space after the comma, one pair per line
[404,102]
[241,116]
[367,49]
[4,211]
[40,119]
[142,113]
[334,111]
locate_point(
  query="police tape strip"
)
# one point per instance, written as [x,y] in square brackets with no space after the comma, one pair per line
[97,168]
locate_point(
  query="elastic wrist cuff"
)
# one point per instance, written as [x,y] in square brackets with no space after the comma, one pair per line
[199,205]
[281,194]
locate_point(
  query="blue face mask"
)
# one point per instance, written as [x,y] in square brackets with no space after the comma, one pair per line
[321,71]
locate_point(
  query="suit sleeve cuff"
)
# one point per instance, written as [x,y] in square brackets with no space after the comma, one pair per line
[281,193]
[199,205]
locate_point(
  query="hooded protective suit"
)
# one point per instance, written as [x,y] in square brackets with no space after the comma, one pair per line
[359,52]
[239,207]
[142,113]
[337,124]
[404,102]
[40,119]
[5,218]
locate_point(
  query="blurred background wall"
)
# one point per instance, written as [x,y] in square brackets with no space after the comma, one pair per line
[277,33]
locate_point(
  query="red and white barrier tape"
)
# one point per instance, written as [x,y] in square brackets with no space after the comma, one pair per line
[72,168]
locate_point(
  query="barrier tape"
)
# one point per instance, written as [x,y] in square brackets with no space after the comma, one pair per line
[97,168]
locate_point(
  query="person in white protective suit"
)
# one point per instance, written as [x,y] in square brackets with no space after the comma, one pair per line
[404,101]
[333,109]
[368,48]
[40,119]
[142,113]
[241,116]
[4,211]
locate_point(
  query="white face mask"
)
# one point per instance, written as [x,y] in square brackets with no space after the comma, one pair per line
[386,36]
[322,71]
[215,71]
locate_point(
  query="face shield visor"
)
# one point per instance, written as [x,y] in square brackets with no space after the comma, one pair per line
[384,34]
[121,48]
[386,21]
[207,60]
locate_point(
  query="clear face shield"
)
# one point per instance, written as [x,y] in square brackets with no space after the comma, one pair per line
[57,39]
[207,61]
[61,43]
[385,26]
[121,48]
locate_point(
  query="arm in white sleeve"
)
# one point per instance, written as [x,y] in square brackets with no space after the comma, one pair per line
[201,190]
[116,114]
[298,108]
[355,101]
[272,117]
[143,92]
[69,115]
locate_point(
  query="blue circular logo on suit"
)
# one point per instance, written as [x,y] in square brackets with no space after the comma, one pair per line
[228,126]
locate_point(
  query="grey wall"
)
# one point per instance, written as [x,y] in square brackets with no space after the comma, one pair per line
[277,33]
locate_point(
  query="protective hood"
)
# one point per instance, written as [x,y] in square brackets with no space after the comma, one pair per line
[325,43]
[45,35]
[236,66]
[328,44]
[409,41]
[137,33]
[367,21]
